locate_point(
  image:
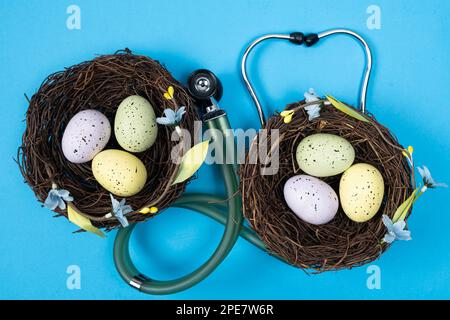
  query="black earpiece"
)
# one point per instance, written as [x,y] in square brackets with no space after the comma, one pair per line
[296,37]
[300,38]
[311,39]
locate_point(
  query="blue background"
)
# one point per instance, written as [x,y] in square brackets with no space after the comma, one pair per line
[408,93]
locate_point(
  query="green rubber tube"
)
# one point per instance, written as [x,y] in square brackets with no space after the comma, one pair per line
[233,226]
[214,207]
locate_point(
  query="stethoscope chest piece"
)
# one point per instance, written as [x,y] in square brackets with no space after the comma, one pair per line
[204,85]
[207,90]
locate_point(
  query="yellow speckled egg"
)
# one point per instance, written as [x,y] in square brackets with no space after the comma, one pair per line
[324,155]
[135,124]
[361,190]
[119,172]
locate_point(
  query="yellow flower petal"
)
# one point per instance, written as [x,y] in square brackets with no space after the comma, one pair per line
[149,210]
[287,119]
[286,113]
[410,149]
[169,94]
[153,210]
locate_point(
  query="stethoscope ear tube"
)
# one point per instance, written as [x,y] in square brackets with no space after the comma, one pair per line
[309,40]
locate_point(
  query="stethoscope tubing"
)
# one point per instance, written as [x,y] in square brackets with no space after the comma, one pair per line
[212,206]
[215,207]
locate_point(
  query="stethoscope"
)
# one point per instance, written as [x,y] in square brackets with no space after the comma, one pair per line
[206,89]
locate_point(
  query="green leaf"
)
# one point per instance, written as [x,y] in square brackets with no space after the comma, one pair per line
[191,161]
[402,210]
[346,109]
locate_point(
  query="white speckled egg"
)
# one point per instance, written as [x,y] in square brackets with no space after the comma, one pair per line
[86,134]
[119,172]
[135,124]
[361,190]
[311,199]
[324,155]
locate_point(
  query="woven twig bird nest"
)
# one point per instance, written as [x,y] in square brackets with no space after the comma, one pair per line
[340,243]
[101,84]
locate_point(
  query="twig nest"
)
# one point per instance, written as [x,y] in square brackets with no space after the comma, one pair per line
[340,242]
[102,85]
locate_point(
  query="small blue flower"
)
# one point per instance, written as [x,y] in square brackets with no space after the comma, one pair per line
[314,109]
[171,117]
[395,231]
[428,180]
[119,210]
[56,198]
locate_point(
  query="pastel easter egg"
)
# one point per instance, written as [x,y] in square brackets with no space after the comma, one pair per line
[361,190]
[135,124]
[86,134]
[311,199]
[119,172]
[324,155]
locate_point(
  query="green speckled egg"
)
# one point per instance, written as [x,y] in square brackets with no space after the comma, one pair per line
[119,172]
[324,155]
[135,124]
[361,191]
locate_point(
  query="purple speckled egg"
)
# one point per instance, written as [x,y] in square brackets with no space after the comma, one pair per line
[311,199]
[86,134]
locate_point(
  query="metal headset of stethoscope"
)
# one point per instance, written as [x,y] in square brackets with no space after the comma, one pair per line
[206,88]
